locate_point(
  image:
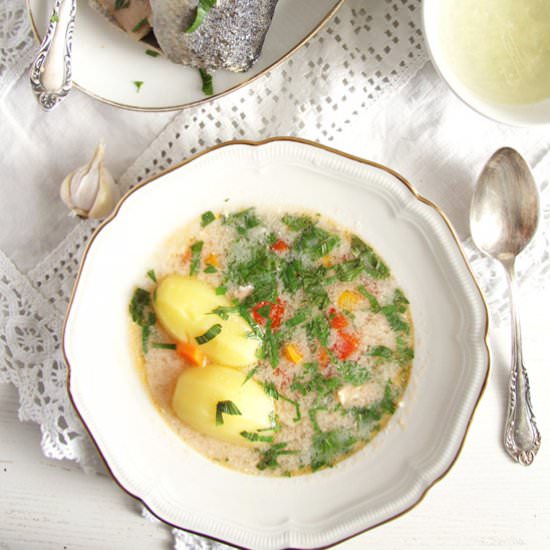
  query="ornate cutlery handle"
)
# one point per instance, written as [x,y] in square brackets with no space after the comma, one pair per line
[51,72]
[521,436]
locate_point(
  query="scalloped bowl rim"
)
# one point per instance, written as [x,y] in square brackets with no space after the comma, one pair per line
[421,442]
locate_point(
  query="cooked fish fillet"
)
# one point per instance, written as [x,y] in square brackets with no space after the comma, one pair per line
[130,15]
[231,36]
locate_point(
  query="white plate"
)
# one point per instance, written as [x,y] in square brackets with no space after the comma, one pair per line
[388,476]
[106,62]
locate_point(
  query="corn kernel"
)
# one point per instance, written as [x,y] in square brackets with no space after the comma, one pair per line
[348,299]
[292,354]
[326,261]
[212,259]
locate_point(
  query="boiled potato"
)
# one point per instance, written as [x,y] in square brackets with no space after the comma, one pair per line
[198,392]
[183,306]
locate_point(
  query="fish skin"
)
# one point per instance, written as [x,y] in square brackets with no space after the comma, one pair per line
[128,17]
[231,36]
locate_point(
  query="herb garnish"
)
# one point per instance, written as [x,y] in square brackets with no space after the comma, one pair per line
[142,314]
[207,218]
[353,373]
[152,275]
[161,345]
[271,390]
[138,84]
[297,223]
[269,457]
[140,24]
[121,4]
[221,290]
[203,8]
[243,220]
[254,436]
[319,328]
[226,407]
[316,382]
[315,242]
[54,18]
[210,269]
[196,250]
[328,446]
[207,84]
[365,416]
[373,265]
[210,334]
[250,374]
[152,53]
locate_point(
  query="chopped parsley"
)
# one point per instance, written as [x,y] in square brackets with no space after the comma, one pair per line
[254,436]
[152,53]
[250,374]
[138,84]
[268,458]
[207,84]
[140,24]
[327,447]
[315,242]
[364,416]
[353,373]
[121,4]
[161,345]
[210,269]
[152,275]
[196,250]
[226,407]
[210,334]
[203,7]
[243,220]
[297,223]
[54,18]
[223,311]
[271,390]
[373,265]
[142,314]
[319,328]
[207,218]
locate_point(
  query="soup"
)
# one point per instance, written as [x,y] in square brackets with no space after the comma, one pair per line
[275,344]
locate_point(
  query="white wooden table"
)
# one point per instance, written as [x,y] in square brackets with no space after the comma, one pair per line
[485,501]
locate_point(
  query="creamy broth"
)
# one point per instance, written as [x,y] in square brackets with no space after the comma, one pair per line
[334,333]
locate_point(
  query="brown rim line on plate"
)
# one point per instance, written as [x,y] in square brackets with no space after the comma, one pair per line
[207,99]
[250,143]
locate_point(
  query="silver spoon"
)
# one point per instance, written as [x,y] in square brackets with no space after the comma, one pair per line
[503,219]
[51,72]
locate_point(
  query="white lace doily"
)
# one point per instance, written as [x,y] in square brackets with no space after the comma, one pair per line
[367,53]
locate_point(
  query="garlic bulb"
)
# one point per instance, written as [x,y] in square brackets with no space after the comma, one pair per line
[90,191]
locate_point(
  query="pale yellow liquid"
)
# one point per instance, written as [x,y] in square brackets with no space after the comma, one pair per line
[500,49]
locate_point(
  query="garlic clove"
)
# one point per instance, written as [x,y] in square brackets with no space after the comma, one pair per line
[90,191]
[106,196]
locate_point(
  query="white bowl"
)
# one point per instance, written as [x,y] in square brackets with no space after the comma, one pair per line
[516,115]
[386,478]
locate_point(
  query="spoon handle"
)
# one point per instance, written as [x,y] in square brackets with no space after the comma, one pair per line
[521,436]
[51,72]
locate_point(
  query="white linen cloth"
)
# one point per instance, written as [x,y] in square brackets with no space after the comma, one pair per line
[361,85]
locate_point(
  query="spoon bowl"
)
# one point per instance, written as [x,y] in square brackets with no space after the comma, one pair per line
[504,216]
[505,207]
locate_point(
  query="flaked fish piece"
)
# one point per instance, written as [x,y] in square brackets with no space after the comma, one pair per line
[231,36]
[359,396]
[132,16]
